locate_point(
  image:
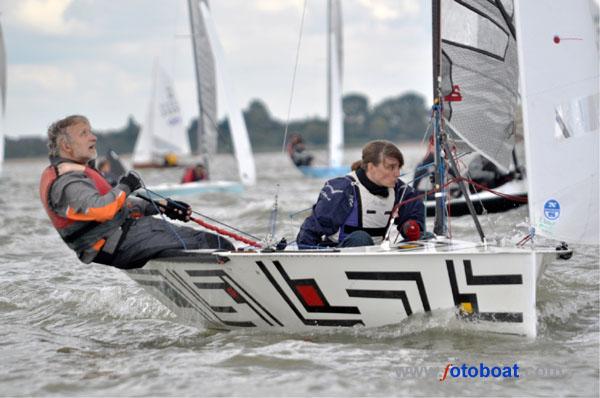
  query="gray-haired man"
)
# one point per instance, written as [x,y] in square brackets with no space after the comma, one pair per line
[106,224]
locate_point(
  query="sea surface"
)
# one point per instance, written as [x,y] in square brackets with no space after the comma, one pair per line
[70,329]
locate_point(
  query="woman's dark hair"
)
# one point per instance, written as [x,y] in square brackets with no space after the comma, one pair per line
[375,151]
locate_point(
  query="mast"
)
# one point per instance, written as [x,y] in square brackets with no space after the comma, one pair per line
[440,225]
[335,111]
[440,138]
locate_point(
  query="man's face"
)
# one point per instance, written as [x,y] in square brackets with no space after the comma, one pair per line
[81,145]
[386,173]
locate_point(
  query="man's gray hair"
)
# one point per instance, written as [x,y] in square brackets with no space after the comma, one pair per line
[57,132]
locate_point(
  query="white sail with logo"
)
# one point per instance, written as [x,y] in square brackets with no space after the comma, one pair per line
[164,132]
[559,52]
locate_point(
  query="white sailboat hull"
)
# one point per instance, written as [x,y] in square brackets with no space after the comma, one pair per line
[358,287]
[197,188]
[324,171]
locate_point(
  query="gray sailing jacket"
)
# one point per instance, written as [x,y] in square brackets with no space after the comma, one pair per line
[75,197]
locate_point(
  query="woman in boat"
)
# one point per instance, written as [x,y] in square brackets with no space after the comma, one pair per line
[105,224]
[355,210]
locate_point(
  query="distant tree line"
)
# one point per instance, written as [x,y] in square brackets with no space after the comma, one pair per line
[401,118]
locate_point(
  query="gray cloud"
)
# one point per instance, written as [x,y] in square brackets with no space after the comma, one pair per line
[95,56]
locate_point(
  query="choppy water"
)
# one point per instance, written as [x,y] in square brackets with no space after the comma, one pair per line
[69,329]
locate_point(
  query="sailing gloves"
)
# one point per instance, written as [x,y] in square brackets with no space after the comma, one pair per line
[411,230]
[131,180]
[176,210]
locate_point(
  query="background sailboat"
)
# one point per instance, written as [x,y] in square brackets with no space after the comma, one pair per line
[209,61]
[210,67]
[2,95]
[334,97]
[164,133]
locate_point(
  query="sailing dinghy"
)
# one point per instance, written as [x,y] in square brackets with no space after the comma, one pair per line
[2,95]
[209,61]
[334,98]
[493,287]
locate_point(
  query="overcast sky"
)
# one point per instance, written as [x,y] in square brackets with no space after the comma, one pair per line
[95,57]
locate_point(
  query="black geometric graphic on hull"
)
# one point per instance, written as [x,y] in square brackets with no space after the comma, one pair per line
[467,302]
[313,294]
[214,310]
[390,294]
[236,292]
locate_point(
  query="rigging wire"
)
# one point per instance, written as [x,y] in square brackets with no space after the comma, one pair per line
[210,218]
[287,120]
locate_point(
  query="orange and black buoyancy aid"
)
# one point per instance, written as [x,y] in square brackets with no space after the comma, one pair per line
[63,225]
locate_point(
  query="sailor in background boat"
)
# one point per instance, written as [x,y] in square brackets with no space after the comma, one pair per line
[423,171]
[297,151]
[106,170]
[195,173]
[480,170]
[355,210]
[484,172]
[170,160]
[105,224]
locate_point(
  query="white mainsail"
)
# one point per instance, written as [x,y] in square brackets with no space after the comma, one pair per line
[164,131]
[558,55]
[480,75]
[2,94]
[334,79]
[239,134]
